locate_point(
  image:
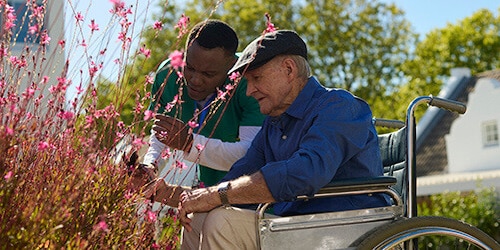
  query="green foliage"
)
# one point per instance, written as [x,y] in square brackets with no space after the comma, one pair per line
[472,42]
[357,45]
[479,208]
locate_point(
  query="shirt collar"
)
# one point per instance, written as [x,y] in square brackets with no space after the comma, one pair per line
[298,107]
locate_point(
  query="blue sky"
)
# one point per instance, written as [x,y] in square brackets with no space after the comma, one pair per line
[426,15]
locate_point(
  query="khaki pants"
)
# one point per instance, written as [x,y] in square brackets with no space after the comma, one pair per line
[221,228]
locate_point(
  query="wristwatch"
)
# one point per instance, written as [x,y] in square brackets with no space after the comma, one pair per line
[222,190]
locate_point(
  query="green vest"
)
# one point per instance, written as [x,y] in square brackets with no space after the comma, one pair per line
[241,110]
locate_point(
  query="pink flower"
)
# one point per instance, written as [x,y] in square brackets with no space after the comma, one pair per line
[79,17]
[8,175]
[150,216]
[45,80]
[29,93]
[166,153]
[61,43]
[234,76]
[138,142]
[182,25]
[120,125]
[177,100]
[101,226]
[118,5]
[144,51]
[11,17]
[180,164]
[158,25]
[93,26]
[9,131]
[44,38]
[229,87]
[79,89]
[148,114]
[38,12]
[66,115]
[88,121]
[33,29]
[270,26]
[221,95]
[149,79]
[199,147]
[177,59]
[193,124]
[183,22]
[129,194]
[43,145]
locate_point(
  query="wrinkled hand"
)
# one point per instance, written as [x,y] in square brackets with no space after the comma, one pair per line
[197,201]
[164,192]
[141,175]
[173,132]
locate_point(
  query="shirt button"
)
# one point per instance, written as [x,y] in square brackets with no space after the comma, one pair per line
[283,137]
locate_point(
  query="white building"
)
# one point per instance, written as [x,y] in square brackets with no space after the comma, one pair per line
[461,152]
[39,63]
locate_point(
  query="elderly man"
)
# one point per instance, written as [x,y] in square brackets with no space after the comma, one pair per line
[311,135]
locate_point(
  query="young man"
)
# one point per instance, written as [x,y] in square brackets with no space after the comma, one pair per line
[311,136]
[225,129]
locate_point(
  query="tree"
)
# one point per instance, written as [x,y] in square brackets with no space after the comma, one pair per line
[472,42]
[358,45]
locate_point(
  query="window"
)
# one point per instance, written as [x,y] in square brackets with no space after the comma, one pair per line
[490,133]
[23,21]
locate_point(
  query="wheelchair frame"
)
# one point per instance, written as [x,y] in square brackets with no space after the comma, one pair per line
[393,227]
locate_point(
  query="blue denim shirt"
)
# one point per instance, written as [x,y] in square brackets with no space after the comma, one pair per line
[325,134]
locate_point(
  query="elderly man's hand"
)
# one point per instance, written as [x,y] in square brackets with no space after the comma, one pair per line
[164,192]
[173,132]
[197,201]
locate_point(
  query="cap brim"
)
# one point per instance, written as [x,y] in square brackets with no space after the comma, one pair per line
[240,65]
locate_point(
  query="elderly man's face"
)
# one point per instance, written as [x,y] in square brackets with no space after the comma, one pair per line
[272,86]
[205,70]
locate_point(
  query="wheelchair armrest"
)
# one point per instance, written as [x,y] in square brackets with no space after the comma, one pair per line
[357,184]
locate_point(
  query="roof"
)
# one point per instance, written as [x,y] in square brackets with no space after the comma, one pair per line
[436,123]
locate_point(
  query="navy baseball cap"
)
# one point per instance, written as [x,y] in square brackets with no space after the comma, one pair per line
[266,47]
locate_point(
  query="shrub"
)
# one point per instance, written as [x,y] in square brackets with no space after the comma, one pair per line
[479,208]
[59,186]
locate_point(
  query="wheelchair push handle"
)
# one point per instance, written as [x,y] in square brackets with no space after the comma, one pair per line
[388,123]
[450,105]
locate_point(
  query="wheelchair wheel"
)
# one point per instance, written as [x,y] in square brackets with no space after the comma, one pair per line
[430,233]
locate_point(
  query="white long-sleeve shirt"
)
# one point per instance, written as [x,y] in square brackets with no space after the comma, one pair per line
[216,154]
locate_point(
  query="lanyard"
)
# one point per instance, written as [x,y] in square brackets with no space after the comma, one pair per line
[201,118]
[204,111]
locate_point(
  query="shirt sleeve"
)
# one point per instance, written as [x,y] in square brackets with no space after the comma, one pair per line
[253,160]
[221,155]
[154,150]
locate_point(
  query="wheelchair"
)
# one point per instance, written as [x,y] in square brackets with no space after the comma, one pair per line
[392,227]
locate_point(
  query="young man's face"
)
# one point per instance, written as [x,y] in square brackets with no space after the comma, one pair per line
[205,70]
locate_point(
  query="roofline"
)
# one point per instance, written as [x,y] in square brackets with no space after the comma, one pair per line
[432,116]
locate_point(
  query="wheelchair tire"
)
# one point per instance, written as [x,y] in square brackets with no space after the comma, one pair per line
[395,234]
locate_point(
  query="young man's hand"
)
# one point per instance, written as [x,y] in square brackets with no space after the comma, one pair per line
[173,132]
